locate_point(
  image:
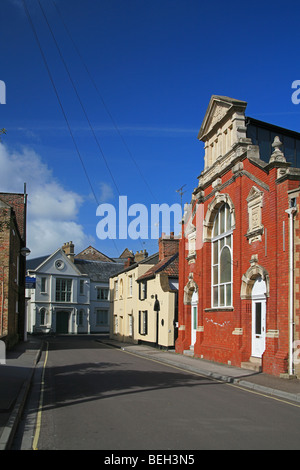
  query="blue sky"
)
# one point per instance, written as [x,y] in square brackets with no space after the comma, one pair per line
[156,64]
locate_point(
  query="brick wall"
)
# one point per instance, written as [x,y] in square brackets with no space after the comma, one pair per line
[217,341]
[168,245]
[12,270]
[16,201]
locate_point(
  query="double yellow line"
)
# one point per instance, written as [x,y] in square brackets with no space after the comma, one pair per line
[39,415]
[215,380]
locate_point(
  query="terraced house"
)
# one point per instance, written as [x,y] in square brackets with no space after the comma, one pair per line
[239,252]
[144,297]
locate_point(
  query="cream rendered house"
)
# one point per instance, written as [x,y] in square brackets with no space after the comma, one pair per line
[144,298]
[124,295]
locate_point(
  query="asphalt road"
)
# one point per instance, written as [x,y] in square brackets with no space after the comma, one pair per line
[96,397]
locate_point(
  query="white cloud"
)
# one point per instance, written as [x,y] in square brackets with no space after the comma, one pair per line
[107,192]
[52,209]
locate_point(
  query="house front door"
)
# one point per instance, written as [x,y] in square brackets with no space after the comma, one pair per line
[258,318]
[62,322]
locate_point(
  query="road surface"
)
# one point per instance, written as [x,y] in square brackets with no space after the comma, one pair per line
[95,397]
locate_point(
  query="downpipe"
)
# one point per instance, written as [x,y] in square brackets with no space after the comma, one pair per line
[291,211]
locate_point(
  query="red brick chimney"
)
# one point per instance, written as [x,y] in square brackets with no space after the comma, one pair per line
[129,262]
[168,245]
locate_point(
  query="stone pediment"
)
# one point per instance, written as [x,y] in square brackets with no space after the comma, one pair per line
[218,108]
[254,193]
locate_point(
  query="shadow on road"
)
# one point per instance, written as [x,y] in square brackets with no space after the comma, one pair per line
[89,381]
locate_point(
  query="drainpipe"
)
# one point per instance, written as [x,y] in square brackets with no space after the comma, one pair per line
[2,301]
[291,211]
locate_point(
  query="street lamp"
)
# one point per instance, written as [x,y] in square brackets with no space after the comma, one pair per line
[25,251]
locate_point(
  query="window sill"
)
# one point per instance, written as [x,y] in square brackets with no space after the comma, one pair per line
[219,309]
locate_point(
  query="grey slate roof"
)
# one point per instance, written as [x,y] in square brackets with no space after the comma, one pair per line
[152,259]
[32,264]
[98,270]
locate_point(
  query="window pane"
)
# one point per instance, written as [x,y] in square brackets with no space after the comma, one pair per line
[216,226]
[215,275]
[225,265]
[215,294]
[228,218]
[228,241]
[222,219]
[195,317]
[228,294]
[215,253]
[258,318]
[221,242]
[222,296]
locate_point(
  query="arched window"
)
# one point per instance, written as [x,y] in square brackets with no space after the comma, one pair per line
[43,314]
[222,258]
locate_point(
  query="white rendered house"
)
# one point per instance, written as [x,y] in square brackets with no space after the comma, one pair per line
[71,295]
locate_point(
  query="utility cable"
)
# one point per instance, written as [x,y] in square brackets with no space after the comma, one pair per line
[60,103]
[58,98]
[79,99]
[101,98]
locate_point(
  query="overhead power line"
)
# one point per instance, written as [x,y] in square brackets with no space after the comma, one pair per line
[101,98]
[58,97]
[60,104]
[78,97]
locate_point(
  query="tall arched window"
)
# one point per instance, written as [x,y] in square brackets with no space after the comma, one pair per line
[43,318]
[222,258]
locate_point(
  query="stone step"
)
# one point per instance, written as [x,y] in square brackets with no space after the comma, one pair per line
[189,352]
[253,364]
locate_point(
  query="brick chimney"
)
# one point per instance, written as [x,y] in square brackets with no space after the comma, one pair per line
[168,245]
[68,249]
[140,255]
[129,262]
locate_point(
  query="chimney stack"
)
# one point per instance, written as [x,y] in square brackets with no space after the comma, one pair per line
[68,249]
[140,255]
[168,245]
[129,262]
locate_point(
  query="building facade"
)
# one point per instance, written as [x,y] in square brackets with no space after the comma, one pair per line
[144,298]
[125,324]
[236,256]
[72,293]
[12,267]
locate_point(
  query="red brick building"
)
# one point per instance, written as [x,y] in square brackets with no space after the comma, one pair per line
[238,289]
[12,267]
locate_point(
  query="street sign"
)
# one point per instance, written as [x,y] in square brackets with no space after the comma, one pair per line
[30,282]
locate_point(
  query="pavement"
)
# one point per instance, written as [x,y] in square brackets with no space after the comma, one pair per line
[17,374]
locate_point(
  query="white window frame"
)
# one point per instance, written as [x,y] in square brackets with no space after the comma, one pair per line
[116,290]
[43,312]
[130,324]
[143,322]
[65,295]
[130,285]
[221,241]
[43,287]
[102,293]
[102,312]
[80,316]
